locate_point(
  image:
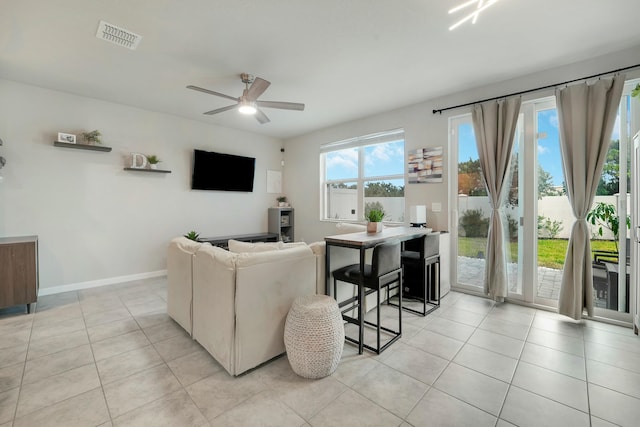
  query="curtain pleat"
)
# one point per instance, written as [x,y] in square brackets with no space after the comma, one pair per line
[494,124]
[586,115]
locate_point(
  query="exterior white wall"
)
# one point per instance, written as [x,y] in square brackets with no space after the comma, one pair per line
[96,221]
[556,208]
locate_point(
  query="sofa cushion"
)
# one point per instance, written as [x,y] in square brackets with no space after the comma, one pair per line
[247,259]
[238,247]
[346,227]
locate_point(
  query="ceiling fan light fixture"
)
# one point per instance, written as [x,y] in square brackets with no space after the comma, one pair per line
[247,107]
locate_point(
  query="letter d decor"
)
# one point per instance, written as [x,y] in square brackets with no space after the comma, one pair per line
[138,161]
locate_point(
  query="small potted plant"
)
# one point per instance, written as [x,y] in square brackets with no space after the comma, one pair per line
[374,220]
[192,235]
[92,137]
[282,201]
[153,161]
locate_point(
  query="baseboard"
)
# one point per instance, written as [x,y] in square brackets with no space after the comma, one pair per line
[101,282]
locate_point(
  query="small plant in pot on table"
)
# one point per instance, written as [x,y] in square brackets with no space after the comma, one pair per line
[374,220]
[282,201]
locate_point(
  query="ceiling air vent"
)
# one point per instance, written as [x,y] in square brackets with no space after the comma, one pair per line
[117,35]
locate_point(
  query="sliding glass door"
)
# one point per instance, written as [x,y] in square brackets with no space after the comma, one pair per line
[537,214]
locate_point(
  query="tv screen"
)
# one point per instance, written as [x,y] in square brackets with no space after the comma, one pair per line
[222,172]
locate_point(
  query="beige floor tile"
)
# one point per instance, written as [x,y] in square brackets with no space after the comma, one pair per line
[502,344]
[15,339]
[175,347]
[146,320]
[147,304]
[101,304]
[391,389]
[119,344]
[472,387]
[261,409]
[477,305]
[95,319]
[52,329]
[139,389]
[57,314]
[220,392]
[175,409]
[451,329]
[613,356]
[440,409]
[57,388]
[354,366]
[55,363]
[469,318]
[560,342]
[526,409]
[614,407]
[561,388]
[44,346]
[614,378]
[503,327]
[194,367]
[416,363]
[11,376]
[13,355]
[487,362]
[164,331]
[597,422]
[86,409]
[562,325]
[8,401]
[436,344]
[352,409]
[128,363]
[112,329]
[555,360]
[307,397]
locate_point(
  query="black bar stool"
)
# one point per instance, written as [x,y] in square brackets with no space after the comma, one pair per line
[385,269]
[421,273]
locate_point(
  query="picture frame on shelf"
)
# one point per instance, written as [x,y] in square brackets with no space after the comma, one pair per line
[68,138]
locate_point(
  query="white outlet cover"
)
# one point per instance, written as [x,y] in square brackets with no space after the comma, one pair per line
[436,207]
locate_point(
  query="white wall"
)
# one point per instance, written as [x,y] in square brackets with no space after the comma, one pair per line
[422,129]
[94,220]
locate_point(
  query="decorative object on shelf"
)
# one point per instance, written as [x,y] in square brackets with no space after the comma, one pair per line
[67,138]
[425,165]
[192,235]
[282,202]
[153,161]
[138,161]
[374,220]
[92,137]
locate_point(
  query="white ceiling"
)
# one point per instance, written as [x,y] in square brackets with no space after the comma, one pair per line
[344,59]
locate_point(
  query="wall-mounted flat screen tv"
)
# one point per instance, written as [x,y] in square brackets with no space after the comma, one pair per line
[222,172]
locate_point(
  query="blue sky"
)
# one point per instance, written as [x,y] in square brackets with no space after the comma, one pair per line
[548,144]
[380,159]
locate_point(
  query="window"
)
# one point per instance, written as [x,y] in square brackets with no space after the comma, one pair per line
[363,173]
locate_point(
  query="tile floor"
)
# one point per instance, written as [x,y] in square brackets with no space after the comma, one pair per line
[112,357]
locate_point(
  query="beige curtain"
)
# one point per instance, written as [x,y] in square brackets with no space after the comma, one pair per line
[586,116]
[494,124]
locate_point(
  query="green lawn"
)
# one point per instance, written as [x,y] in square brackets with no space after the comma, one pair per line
[551,252]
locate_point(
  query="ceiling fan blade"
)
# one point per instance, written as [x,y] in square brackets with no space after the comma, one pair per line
[262,117]
[220,110]
[210,92]
[281,105]
[257,88]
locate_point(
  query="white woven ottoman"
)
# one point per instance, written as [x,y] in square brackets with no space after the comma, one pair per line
[314,336]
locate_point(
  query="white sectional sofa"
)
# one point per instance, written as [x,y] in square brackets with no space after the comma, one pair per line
[240,300]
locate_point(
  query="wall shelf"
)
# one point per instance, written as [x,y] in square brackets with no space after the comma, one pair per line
[147,170]
[82,146]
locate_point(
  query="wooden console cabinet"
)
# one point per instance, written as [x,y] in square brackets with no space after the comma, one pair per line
[18,271]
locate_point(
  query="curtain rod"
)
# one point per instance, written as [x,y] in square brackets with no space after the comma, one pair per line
[440,110]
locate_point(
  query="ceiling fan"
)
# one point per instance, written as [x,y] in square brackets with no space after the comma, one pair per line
[248,103]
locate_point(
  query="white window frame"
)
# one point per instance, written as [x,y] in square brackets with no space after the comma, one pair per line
[360,142]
